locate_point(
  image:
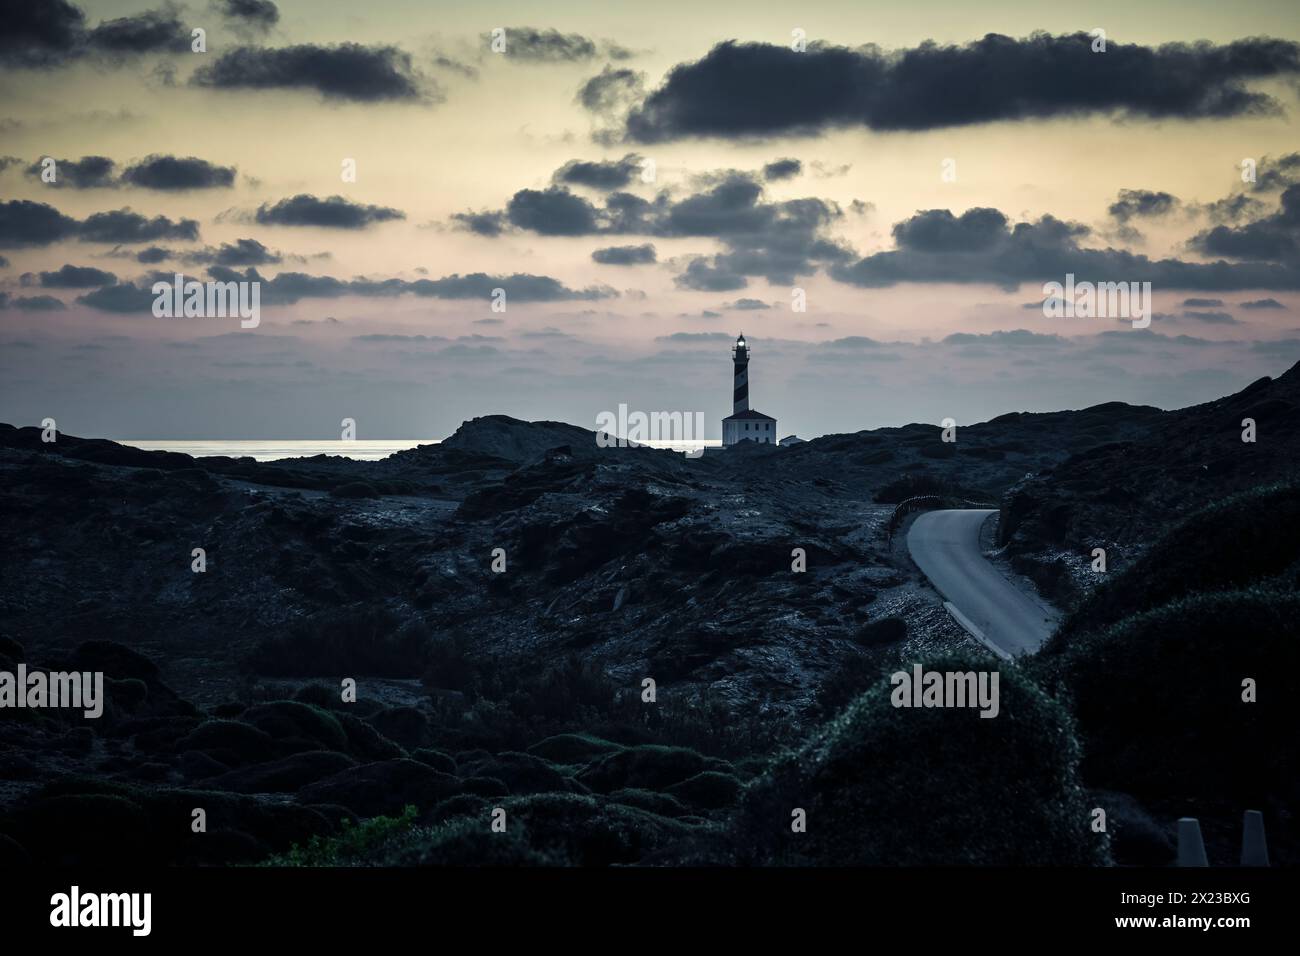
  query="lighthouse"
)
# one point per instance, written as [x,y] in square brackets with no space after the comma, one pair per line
[745,423]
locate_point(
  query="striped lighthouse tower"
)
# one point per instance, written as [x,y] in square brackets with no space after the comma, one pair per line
[745,423]
[740,391]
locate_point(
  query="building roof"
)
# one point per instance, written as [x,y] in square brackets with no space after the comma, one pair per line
[750,413]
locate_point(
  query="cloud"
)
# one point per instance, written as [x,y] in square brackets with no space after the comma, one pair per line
[703,276]
[551,212]
[1016,338]
[625,255]
[241,252]
[1202,303]
[938,230]
[1262,304]
[155,31]
[4,263]
[456,66]
[782,169]
[1141,203]
[611,91]
[482,223]
[1278,173]
[747,305]
[1232,209]
[534,45]
[40,34]
[332,213]
[605,174]
[981,246]
[153,255]
[178,173]
[1212,318]
[77,277]
[262,14]
[125,226]
[34,303]
[124,298]
[852,342]
[743,90]
[1290,348]
[27,223]
[695,337]
[53,33]
[348,71]
[89,172]
[1272,238]
[287,288]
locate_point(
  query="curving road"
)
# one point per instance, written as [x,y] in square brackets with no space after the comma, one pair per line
[945,545]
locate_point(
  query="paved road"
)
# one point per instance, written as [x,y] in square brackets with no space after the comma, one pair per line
[945,546]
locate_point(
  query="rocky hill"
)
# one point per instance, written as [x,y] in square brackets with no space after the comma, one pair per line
[501,598]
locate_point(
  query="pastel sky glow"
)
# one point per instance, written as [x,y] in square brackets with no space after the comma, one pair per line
[774,169]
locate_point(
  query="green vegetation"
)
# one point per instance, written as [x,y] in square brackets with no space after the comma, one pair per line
[1158,697]
[1243,540]
[889,786]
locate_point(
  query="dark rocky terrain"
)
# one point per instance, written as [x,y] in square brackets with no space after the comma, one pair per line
[523,689]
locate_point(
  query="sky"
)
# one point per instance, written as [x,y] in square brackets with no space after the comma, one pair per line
[873,193]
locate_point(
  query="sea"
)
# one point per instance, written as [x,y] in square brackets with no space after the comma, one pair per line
[358,449]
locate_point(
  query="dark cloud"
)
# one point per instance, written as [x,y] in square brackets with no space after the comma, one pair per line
[125,298]
[851,342]
[705,276]
[89,172]
[1276,174]
[156,31]
[125,226]
[1212,318]
[782,169]
[1141,203]
[1233,209]
[52,33]
[178,173]
[456,66]
[27,223]
[77,277]
[938,230]
[612,91]
[262,14]
[625,255]
[777,241]
[1202,303]
[4,263]
[1289,348]
[604,174]
[382,337]
[748,305]
[241,252]
[935,246]
[546,45]
[1274,238]
[37,303]
[349,71]
[290,287]
[40,34]
[482,223]
[1262,304]
[1016,338]
[756,89]
[152,255]
[332,213]
[552,212]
